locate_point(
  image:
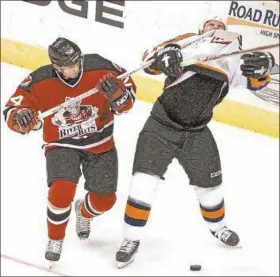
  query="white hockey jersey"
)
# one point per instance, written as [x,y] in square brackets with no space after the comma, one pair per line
[212,43]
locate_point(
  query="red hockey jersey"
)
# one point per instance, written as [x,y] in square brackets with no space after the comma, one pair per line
[86,124]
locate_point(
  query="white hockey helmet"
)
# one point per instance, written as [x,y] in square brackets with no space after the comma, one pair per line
[208,18]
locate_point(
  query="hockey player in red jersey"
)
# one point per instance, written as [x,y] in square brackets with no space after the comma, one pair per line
[79,135]
[177,127]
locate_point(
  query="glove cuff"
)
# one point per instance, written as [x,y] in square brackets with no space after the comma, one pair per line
[121,102]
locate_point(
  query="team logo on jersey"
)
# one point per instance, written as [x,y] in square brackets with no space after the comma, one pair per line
[76,121]
[26,81]
[219,40]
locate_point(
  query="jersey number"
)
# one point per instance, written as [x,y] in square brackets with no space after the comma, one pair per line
[17,100]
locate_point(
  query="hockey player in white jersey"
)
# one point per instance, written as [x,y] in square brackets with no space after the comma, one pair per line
[177,127]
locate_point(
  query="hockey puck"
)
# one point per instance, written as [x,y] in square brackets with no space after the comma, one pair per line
[195,267]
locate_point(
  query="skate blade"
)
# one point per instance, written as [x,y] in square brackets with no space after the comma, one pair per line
[51,265]
[123,264]
[239,245]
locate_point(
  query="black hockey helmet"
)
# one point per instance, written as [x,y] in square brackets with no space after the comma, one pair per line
[64,52]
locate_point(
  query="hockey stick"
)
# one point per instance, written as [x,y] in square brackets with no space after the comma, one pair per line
[274,80]
[95,90]
[33,265]
[127,74]
[213,58]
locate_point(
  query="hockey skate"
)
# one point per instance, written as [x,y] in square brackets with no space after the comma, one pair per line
[82,223]
[127,251]
[53,250]
[226,236]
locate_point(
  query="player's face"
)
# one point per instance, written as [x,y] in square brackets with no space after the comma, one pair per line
[69,71]
[213,24]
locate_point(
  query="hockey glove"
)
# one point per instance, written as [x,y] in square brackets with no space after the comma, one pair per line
[114,90]
[168,59]
[257,64]
[24,120]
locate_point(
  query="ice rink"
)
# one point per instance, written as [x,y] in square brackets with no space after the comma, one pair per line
[176,234]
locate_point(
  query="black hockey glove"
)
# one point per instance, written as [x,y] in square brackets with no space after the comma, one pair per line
[114,90]
[168,59]
[24,120]
[257,64]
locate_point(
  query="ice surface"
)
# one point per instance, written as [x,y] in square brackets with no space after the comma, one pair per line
[175,235]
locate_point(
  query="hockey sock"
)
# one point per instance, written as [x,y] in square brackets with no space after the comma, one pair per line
[138,207]
[214,215]
[95,205]
[136,212]
[212,206]
[61,194]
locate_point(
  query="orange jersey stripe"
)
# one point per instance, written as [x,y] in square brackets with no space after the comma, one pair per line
[211,68]
[176,39]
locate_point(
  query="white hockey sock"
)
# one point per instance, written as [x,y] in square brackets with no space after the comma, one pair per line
[142,192]
[212,208]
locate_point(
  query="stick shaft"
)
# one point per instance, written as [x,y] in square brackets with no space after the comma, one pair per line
[213,58]
[95,90]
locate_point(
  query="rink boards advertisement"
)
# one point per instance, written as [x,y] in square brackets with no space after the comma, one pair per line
[122,30]
[258,23]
